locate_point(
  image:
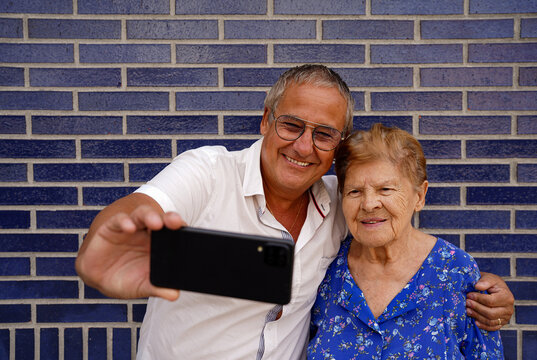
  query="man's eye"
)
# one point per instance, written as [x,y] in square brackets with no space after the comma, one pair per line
[293,126]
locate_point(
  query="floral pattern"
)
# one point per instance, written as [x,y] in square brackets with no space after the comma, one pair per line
[426,320]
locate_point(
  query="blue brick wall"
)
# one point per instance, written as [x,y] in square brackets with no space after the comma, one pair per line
[98,96]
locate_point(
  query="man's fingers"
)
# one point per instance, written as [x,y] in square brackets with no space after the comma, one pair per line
[173,220]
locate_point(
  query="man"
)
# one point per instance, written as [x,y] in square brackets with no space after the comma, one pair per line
[273,188]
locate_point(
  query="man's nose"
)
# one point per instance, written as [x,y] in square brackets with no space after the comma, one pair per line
[304,144]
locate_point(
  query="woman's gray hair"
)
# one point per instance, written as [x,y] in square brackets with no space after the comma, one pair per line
[313,74]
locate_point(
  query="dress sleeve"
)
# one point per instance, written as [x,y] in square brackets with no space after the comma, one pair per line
[478,343]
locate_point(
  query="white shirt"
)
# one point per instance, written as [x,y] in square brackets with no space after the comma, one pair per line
[213,188]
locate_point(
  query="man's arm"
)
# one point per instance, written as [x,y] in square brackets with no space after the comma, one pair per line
[493,309]
[114,257]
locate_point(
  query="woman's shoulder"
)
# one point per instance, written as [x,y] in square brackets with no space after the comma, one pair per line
[453,261]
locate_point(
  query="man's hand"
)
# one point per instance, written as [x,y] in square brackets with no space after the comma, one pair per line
[493,310]
[114,257]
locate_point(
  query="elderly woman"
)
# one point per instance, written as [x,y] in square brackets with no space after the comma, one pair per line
[393,292]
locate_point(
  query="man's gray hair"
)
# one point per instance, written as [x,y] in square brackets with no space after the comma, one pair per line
[317,75]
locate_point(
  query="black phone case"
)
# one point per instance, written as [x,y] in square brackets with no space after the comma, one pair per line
[222,263]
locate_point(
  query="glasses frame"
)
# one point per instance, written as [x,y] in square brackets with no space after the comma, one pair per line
[306,124]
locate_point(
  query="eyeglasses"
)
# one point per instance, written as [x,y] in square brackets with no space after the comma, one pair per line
[290,128]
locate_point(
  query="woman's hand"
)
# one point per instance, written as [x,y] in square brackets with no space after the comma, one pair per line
[493,310]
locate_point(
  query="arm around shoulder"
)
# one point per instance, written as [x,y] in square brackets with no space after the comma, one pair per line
[114,256]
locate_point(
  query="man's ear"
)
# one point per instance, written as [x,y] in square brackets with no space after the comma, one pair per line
[422,191]
[265,123]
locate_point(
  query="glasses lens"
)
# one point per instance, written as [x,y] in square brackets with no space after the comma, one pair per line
[289,128]
[326,138]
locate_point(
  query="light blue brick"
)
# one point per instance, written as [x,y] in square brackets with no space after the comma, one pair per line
[527,76]
[37,6]
[467,76]
[11,76]
[319,7]
[269,29]
[416,54]
[416,7]
[75,77]
[502,6]
[528,28]
[467,29]
[172,77]
[36,100]
[125,53]
[123,7]
[74,29]
[10,28]
[172,29]
[36,53]
[527,124]
[319,53]
[419,100]
[502,53]
[210,7]
[225,54]
[455,125]
[123,100]
[225,100]
[252,76]
[76,125]
[377,76]
[502,100]
[368,29]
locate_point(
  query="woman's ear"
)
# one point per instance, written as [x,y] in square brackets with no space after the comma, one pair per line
[422,191]
[265,123]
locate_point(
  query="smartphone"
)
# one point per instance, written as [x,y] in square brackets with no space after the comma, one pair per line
[223,263]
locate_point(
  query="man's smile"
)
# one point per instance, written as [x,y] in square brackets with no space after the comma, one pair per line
[296,162]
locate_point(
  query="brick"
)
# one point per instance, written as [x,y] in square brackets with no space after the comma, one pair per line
[55,266]
[416,54]
[121,345]
[526,219]
[441,149]
[507,243]
[14,219]
[269,29]
[319,7]
[75,77]
[24,344]
[38,289]
[529,343]
[230,144]
[251,76]
[502,7]
[509,342]
[144,172]
[497,266]
[523,290]
[242,124]
[499,53]
[36,53]
[75,313]
[365,122]
[97,343]
[10,28]
[527,124]
[73,344]
[416,7]
[502,100]
[501,148]
[138,312]
[465,125]
[65,219]
[74,29]
[77,125]
[525,267]
[466,76]
[126,148]
[123,100]
[464,219]
[36,100]
[528,28]
[49,344]
[91,293]
[443,196]
[38,196]
[172,77]
[368,29]
[125,53]
[214,54]
[104,196]
[127,7]
[526,314]
[377,76]
[37,149]
[527,172]
[468,173]
[315,53]
[202,124]
[358,97]
[14,266]
[38,242]
[12,124]
[172,29]
[37,6]
[501,195]
[78,172]
[14,314]
[4,344]
[528,76]
[416,100]
[467,29]
[10,76]
[218,100]
[208,7]
[13,172]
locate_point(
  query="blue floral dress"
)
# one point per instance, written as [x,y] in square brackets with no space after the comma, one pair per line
[426,320]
